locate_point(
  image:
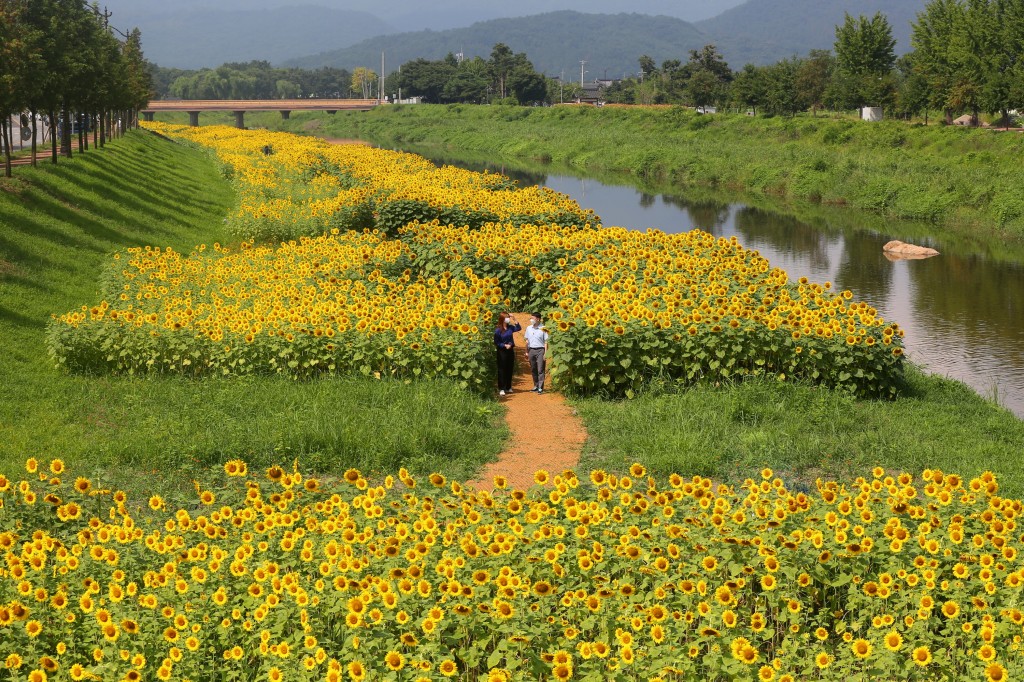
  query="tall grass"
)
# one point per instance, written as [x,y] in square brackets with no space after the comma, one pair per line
[959,178]
[58,226]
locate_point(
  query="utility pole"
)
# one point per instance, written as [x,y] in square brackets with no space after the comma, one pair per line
[582,64]
[380,86]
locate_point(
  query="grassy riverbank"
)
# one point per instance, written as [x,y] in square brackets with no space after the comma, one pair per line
[957,178]
[803,432]
[57,229]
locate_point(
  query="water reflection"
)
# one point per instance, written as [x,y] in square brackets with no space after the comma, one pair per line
[963,311]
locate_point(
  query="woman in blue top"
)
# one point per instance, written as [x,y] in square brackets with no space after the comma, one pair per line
[505,344]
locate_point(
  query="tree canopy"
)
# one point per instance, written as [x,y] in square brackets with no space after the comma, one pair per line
[62,57]
[505,76]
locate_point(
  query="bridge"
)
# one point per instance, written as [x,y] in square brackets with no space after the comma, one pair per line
[239,106]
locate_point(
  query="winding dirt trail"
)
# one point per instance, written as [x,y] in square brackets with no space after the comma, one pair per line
[545,431]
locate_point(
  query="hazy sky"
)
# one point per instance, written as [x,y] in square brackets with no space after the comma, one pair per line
[435,14]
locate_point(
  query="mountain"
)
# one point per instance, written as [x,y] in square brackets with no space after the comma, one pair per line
[415,15]
[555,42]
[199,37]
[765,31]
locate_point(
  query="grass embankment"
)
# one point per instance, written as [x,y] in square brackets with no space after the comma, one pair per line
[58,226]
[957,178]
[804,432]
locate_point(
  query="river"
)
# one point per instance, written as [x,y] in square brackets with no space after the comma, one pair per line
[962,311]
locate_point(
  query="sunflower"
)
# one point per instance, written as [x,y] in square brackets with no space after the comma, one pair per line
[356,671]
[893,641]
[861,648]
[394,660]
[994,672]
[921,656]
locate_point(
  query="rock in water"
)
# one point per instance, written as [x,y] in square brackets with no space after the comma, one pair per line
[897,250]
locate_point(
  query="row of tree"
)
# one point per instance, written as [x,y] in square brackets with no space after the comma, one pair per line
[505,76]
[62,60]
[251,80]
[860,72]
[968,56]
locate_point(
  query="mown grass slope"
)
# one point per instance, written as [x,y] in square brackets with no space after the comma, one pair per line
[804,432]
[58,226]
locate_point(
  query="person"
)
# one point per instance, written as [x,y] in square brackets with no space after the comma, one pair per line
[505,344]
[536,348]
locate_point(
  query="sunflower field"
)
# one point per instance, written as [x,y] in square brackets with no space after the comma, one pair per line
[395,268]
[291,186]
[338,303]
[279,576]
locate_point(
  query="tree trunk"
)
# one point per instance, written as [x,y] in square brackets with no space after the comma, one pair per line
[7,147]
[103,129]
[53,136]
[65,138]
[95,130]
[81,133]
[34,133]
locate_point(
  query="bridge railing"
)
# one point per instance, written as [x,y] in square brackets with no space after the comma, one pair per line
[240,106]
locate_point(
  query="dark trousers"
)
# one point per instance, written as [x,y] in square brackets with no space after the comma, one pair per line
[506,363]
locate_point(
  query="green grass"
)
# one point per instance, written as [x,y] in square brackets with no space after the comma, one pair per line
[803,432]
[964,180]
[58,226]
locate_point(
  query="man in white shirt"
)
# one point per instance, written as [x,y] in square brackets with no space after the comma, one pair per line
[536,347]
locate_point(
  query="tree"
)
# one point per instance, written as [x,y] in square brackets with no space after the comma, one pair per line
[469,83]
[932,36]
[526,85]
[707,77]
[425,78]
[363,80]
[749,87]
[911,88]
[865,57]
[16,61]
[501,63]
[812,78]
[781,96]
[647,67]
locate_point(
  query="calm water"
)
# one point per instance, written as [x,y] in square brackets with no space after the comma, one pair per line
[963,314]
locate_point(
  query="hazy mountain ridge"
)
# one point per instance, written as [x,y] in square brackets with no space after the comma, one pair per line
[765,31]
[203,37]
[187,34]
[415,15]
[555,43]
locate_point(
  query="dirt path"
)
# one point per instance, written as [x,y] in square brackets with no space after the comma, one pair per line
[545,431]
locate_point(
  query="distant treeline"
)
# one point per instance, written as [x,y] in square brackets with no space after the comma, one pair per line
[505,76]
[968,56]
[252,80]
